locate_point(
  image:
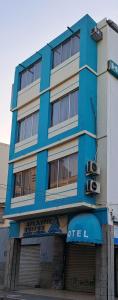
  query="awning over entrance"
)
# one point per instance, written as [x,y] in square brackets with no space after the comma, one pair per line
[84,228]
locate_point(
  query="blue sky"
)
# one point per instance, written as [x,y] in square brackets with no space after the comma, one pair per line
[26,25]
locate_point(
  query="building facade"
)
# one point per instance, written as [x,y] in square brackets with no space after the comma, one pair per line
[4,224]
[62,192]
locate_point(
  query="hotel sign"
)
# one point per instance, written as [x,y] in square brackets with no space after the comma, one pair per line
[44,226]
[113,68]
[79,233]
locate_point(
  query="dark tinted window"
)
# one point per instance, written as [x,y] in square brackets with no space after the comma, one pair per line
[65,108]
[63,171]
[30,74]
[66,50]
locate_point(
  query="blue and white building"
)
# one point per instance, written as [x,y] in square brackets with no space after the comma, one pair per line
[62,179]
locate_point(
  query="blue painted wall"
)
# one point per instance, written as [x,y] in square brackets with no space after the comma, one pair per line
[87,119]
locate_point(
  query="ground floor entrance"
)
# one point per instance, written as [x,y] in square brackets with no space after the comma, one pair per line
[80,268]
[29,266]
[76,258]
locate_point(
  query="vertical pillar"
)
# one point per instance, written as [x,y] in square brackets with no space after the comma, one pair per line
[52,261]
[12,264]
[58,263]
[105,266]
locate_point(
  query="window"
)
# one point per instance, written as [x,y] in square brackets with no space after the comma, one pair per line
[30,74]
[24,183]
[65,108]
[63,171]
[28,126]
[66,50]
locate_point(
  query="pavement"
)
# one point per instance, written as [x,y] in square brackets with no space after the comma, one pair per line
[44,294]
[40,294]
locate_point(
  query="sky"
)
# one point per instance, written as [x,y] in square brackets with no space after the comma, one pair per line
[26,26]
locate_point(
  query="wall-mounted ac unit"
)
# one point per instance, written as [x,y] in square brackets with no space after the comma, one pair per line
[92,168]
[92,187]
[96,34]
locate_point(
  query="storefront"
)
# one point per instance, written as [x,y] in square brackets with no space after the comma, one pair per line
[84,232]
[59,252]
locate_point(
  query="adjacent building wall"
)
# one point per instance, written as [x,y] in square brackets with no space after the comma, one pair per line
[107,121]
[4,153]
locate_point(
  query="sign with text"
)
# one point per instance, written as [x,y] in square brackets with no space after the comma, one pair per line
[42,226]
[115,234]
[113,68]
[79,233]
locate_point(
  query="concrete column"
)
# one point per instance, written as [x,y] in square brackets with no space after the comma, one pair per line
[105,266]
[52,262]
[58,263]
[12,264]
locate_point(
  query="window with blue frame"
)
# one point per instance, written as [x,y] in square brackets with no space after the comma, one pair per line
[63,171]
[65,108]
[24,182]
[30,74]
[28,126]
[66,49]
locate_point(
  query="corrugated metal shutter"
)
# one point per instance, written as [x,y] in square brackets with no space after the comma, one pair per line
[80,268]
[29,270]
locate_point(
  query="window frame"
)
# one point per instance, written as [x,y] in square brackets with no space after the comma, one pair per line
[18,140]
[69,104]
[23,187]
[75,34]
[28,69]
[58,166]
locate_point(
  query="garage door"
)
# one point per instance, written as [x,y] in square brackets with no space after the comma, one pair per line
[80,268]
[29,270]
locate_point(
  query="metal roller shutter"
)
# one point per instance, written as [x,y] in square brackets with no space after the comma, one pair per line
[80,268]
[29,270]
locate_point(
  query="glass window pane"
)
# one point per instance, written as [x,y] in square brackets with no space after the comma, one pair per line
[35,119]
[66,53]
[56,56]
[29,181]
[25,182]
[55,113]
[73,167]
[64,109]
[30,74]
[36,70]
[28,127]
[24,80]
[63,171]
[18,184]
[21,130]
[75,44]
[74,103]
[53,174]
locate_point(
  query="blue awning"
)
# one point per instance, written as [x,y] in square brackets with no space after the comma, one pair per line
[84,228]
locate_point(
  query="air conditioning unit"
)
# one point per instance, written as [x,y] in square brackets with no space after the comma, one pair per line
[92,187]
[92,168]
[96,34]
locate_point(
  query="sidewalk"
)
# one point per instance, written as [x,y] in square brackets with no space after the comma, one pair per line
[58,294]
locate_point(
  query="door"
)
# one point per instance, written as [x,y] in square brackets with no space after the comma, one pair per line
[29,269]
[80,268]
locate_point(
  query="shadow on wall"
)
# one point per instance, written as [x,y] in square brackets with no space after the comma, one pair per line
[3,253]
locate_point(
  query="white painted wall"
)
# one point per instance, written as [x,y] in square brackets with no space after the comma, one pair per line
[107,121]
[4,154]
